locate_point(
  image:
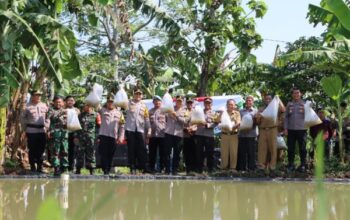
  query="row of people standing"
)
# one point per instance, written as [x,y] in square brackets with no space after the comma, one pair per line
[171,131]
[163,132]
[238,146]
[47,127]
[241,143]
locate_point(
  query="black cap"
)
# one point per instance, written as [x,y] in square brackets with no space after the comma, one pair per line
[138,90]
[208,99]
[188,99]
[57,97]
[110,98]
[36,92]
[179,97]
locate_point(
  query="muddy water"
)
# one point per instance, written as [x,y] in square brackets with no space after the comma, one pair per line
[119,199]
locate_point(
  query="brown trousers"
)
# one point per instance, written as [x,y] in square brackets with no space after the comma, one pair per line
[229,147]
[267,148]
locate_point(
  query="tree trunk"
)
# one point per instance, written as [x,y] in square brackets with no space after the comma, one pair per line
[2,134]
[114,44]
[203,81]
[340,135]
[14,122]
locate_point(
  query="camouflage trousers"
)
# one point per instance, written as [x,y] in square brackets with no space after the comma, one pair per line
[85,151]
[59,149]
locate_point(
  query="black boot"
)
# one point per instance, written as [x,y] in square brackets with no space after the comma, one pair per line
[39,167]
[132,169]
[64,169]
[32,167]
[92,171]
[78,170]
[56,171]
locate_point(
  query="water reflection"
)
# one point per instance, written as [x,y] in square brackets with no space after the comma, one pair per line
[20,199]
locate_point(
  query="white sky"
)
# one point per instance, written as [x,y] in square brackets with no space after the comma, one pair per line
[285,20]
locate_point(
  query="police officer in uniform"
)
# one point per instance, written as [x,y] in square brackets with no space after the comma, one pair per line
[58,135]
[189,139]
[137,129]
[175,122]
[204,147]
[85,138]
[70,102]
[294,129]
[36,123]
[156,142]
[111,133]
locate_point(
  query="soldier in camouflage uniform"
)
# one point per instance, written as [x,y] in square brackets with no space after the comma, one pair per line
[58,135]
[85,139]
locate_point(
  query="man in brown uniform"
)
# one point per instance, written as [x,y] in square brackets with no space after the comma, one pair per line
[205,138]
[247,139]
[156,142]
[36,124]
[137,126]
[111,133]
[229,138]
[267,144]
[173,135]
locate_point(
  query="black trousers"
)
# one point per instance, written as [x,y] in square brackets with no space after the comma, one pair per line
[204,149]
[106,149]
[137,153]
[156,144]
[326,150]
[189,153]
[173,143]
[246,156]
[71,151]
[295,136]
[36,145]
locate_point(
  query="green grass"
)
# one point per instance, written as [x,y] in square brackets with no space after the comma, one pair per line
[11,163]
[119,170]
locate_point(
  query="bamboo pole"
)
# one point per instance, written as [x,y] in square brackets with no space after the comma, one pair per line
[2,134]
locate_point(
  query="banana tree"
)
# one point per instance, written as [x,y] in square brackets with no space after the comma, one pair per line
[333,55]
[335,15]
[338,91]
[34,46]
